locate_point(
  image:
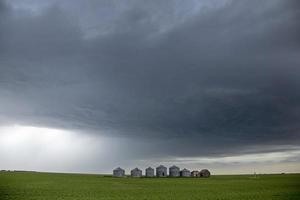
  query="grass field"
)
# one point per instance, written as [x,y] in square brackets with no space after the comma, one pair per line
[50,186]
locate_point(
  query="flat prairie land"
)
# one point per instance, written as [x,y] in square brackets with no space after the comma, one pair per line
[53,186]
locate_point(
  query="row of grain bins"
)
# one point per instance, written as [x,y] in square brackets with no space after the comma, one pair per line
[161,171]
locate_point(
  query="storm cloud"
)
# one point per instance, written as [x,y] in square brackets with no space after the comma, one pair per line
[174,78]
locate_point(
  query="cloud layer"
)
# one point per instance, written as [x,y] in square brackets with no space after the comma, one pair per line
[197,78]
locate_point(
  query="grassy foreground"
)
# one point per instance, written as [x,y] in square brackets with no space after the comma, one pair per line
[50,186]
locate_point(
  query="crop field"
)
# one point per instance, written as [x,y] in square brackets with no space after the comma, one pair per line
[52,186]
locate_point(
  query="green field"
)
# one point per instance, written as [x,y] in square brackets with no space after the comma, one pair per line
[50,186]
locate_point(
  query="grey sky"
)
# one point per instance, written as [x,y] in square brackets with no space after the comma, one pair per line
[159,80]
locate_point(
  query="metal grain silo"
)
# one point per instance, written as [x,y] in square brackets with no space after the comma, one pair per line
[161,171]
[185,173]
[174,171]
[149,172]
[136,172]
[118,172]
[204,173]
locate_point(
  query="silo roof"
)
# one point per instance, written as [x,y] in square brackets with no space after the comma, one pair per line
[174,167]
[185,170]
[149,168]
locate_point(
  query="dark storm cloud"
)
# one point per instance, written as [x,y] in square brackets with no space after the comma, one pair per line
[214,80]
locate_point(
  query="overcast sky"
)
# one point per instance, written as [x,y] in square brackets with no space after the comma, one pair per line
[87,86]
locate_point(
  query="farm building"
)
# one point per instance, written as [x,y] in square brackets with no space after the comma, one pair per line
[149,172]
[119,172]
[161,171]
[174,171]
[136,172]
[194,173]
[204,173]
[185,173]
